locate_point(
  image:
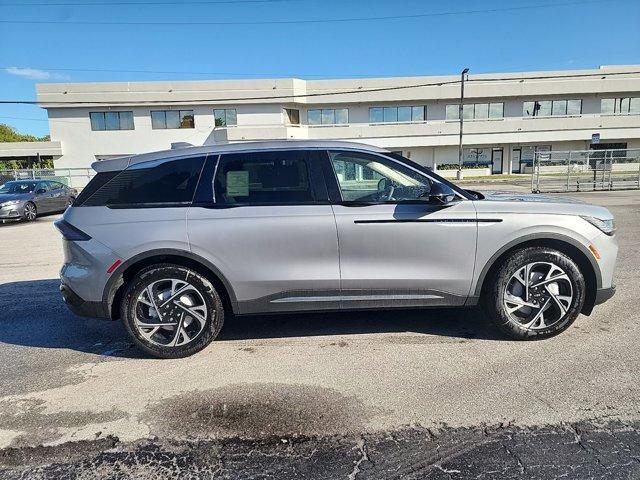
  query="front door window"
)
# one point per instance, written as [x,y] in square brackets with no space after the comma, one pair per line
[368,178]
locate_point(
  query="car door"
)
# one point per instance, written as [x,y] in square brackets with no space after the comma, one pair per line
[58,196]
[43,197]
[396,247]
[268,227]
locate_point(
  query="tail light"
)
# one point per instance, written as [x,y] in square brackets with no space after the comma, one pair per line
[71,233]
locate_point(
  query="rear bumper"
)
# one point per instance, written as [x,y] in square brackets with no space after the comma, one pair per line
[80,306]
[604,294]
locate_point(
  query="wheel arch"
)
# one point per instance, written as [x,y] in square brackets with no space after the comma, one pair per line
[570,247]
[115,286]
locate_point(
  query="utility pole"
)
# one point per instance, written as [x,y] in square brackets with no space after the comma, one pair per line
[462,75]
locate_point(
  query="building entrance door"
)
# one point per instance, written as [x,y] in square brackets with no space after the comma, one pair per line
[496,160]
[516,155]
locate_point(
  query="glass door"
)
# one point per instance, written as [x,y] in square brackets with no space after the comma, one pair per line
[496,160]
[516,155]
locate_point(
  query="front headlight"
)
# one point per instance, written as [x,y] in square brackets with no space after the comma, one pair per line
[605,226]
[9,203]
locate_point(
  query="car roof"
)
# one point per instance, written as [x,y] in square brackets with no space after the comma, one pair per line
[124,162]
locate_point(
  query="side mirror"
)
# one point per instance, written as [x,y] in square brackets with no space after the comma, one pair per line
[441,195]
[442,198]
[40,190]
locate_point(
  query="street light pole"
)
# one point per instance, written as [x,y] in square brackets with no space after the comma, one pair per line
[464,72]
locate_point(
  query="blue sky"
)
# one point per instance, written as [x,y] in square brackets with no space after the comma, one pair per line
[558,36]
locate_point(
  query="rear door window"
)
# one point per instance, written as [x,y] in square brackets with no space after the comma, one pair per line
[264,178]
[148,184]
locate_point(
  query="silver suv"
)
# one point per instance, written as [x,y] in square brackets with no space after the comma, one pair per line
[172,242]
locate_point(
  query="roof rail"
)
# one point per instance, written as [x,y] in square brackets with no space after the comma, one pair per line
[176,145]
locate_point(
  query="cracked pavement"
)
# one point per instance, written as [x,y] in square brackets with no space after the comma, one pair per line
[576,451]
[403,394]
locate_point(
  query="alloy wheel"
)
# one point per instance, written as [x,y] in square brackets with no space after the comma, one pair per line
[30,211]
[170,313]
[538,295]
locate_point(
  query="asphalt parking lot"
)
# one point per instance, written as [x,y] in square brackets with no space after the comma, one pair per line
[409,394]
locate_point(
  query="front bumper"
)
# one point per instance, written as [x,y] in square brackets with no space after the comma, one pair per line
[80,306]
[12,212]
[604,294]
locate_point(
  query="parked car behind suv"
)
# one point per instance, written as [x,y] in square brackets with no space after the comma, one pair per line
[173,242]
[26,199]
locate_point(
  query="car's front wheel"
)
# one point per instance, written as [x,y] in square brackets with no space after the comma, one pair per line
[30,212]
[536,293]
[171,311]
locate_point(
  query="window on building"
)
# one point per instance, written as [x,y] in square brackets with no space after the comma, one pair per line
[111,120]
[170,182]
[292,116]
[544,108]
[263,178]
[547,108]
[452,112]
[225,117]
[496,110]
[607,105]
[559,107]
[622,106]
[163,119]
[390,114]
[468,111]
[481,110]
[328,116]
[574,107]
[402,114]
[376,115]
[478,111]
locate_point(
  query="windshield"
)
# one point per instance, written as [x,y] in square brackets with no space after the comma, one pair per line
[18,187]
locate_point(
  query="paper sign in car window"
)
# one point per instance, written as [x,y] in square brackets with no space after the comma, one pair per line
[238,183]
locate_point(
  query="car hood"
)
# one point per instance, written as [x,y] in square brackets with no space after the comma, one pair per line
[527,197]
[528,203]
[6,197]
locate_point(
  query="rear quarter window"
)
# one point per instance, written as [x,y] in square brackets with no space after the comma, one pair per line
[165,183]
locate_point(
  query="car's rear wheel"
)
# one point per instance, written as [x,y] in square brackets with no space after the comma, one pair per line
[30,212]
[171,311]
[536,293]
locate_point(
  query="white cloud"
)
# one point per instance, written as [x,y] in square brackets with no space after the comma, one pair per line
[35,74]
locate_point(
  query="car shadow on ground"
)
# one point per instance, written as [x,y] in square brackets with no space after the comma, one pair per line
[32,314]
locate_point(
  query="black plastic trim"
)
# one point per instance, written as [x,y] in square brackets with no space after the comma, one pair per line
[115,280]
[81,307]
[604,294]
[431,220]
[538,236]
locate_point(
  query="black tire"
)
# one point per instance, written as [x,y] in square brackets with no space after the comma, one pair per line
[162,272]
[25,216]
[493,296]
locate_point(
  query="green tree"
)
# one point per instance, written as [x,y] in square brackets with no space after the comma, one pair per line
[9,134]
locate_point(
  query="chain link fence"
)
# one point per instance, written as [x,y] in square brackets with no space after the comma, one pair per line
[586,170]
[72,177]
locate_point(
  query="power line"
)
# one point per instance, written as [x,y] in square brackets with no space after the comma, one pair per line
[602,75]
[236,99]
[306,21]
[118,3]
[280,75]
[169,72]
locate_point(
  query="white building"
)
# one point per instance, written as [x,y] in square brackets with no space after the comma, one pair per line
[507,117]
